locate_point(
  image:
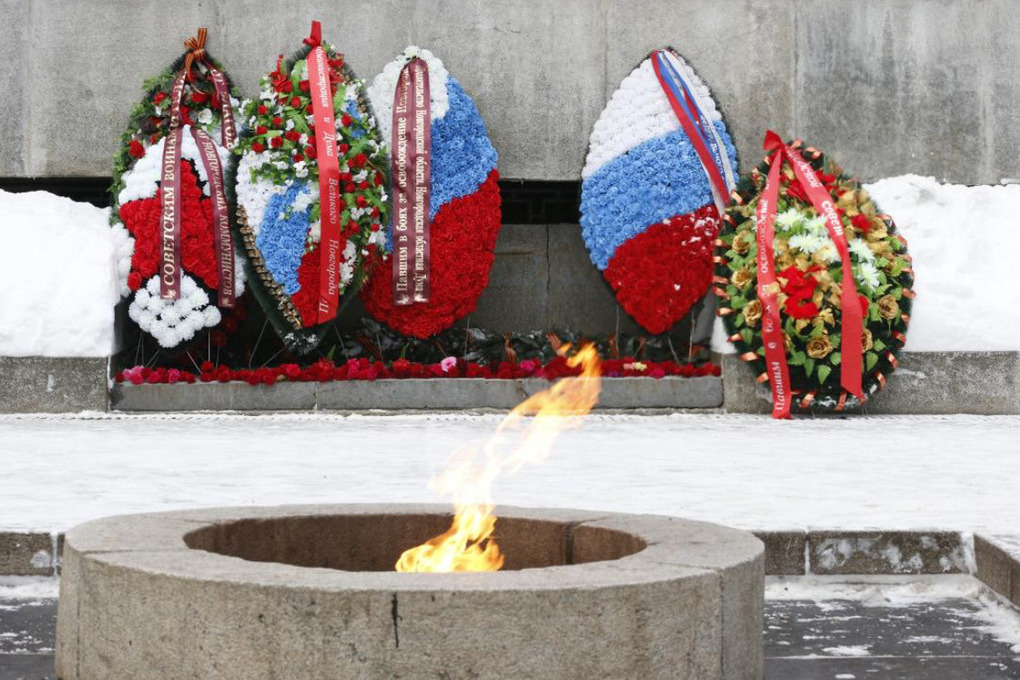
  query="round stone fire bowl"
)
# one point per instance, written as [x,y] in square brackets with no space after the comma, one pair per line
[308,592]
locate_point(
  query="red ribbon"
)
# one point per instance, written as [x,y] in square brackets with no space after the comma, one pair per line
[411,169]
[694,134]
[330,249]
[170,219]
[224,242]
[852,318]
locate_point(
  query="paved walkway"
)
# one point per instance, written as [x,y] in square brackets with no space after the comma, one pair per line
[957,472]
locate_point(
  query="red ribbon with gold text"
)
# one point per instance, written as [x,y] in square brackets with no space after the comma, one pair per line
[330,250]
[852,317]
[170,219]
[411,167]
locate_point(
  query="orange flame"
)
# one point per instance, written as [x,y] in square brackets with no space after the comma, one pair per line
[469,544]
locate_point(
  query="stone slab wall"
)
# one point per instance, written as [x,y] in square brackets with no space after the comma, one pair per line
[887,86]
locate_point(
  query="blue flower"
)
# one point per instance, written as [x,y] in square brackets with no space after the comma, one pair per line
[655,180]
[282,236]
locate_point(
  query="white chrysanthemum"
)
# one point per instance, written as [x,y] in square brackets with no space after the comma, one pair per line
[350,258]
[790,219]
[639,111]
[384,87]
[867,275]
[861,250]
[816,225]
[141,181]
[808,243]
[172,322]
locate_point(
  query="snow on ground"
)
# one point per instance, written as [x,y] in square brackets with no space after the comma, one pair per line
[962,240]
[958,472]
[28,588]
[58,268]
[997,617]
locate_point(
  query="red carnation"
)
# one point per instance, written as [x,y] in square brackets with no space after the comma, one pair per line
[277,121]
[276,142]
[378,179]
[349,188]
[136,149]
[303,86]
[292,135]
[346,120]
[261,130]
[262,110]
[310,151]
[298,158]
[258,147]
[343,148]
[134,281]
[359,160]
[295,102]
[309,109]
[158,99]
[360,201]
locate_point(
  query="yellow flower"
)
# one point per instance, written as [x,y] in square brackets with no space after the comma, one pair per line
[866,340]
[787,342]
[636,366]
[888,308]
[740,245]
[752,312]
[824,317]
[820,347]
[742,278]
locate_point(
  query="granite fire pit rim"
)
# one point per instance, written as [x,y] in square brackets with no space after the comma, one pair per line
[675,547]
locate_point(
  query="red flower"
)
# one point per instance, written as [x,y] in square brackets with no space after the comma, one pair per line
[862,222]
[343,149]
[298,158]
[262,110]
[359,160]
[309,109]
[199,97]
[292,135]
[797,308]
[310,151]
[797,191]
[361,201]
[276,142]
[346,120]
[134,281]
[277,121]
[303,86]
[136,149]
[295,102]
[261,130]
[258,147]
[158,99]
[461,260]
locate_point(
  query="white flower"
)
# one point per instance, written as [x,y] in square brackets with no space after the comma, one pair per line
[384,87]
[172,322]
[868,275]
[808,243]
[789,219]
[861,250]
[290,124]
[205,117]
[816,225]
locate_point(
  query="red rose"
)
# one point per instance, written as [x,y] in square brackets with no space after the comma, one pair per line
[136,149]
[309,109]
[343,148]
[258,147]
[277,121]
[362,186]
[303,86]
[310,151]
[346,120]
[262,110]
[276,142]
[378,179]
[359,160]
[134,281]
[295,102]
[261,130]
[349,188]
[292,135]
[360,201]
[298,158]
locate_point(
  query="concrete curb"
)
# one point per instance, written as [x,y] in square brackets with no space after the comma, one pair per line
[53,384]
[434,394]
[982,383]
